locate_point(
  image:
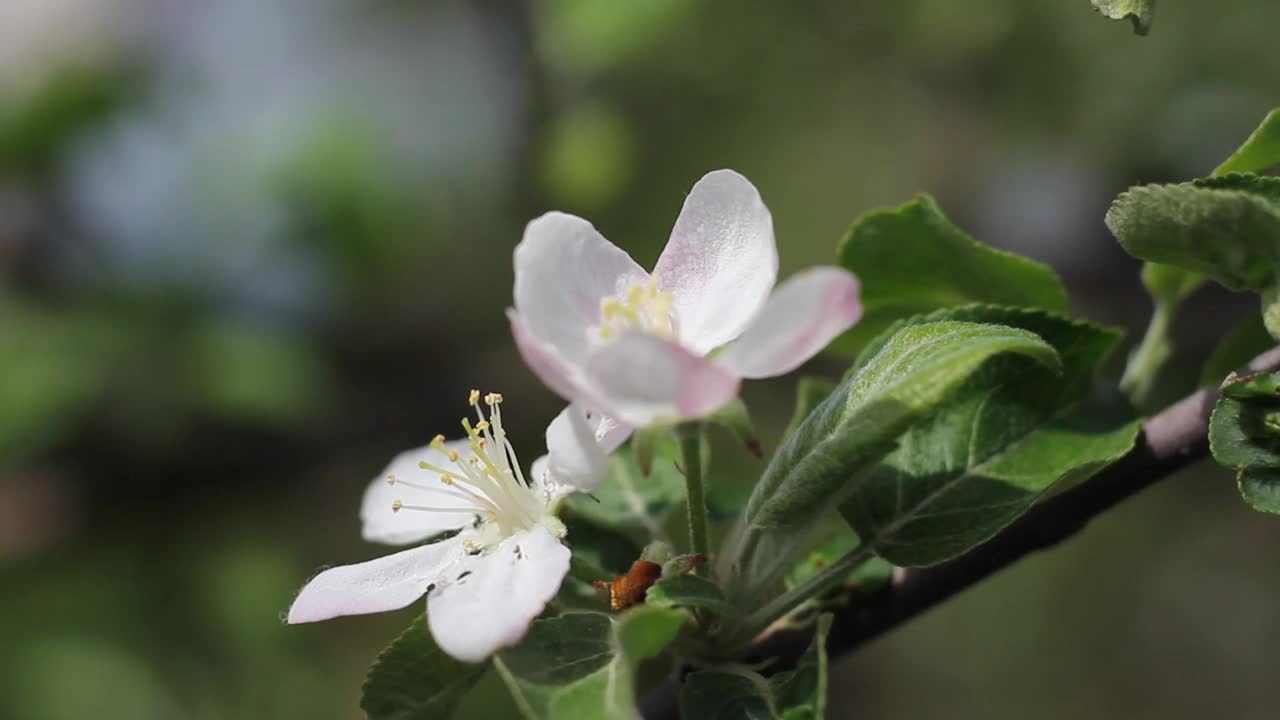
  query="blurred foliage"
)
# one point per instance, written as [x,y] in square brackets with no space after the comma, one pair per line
[200,455]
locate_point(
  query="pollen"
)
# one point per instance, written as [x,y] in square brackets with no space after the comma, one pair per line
[642,306]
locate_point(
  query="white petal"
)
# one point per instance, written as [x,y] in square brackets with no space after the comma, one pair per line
[575,456]
[559,374]
[642,379]
[807,312]
[379,523]
[488,600]
[721,261]
[610,433]
[388,583]
[563,269]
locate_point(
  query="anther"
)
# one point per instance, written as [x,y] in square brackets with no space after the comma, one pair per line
[492,399]
[482,426]
[474,397]
[396,505]
[391,479]
[453,455]
[437,441]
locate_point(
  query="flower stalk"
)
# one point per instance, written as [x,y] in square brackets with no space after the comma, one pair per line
[689,436]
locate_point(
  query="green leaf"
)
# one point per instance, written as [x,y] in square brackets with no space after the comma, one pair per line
[1245,341]
[868,577]
[1169,286]
[810,392]
[801,694]
[687,591]
[729,693]
[913,260]
[1227,228]
[1010,433]
[1260,153]
[1244,434]
[733,692]
[912,373]
[628,499]
[582,665]
[413,679]
[1137,11]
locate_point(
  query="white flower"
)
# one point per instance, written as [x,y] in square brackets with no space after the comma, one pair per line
[638,347]
[485,584]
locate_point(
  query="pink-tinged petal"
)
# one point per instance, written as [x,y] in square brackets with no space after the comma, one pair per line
[721,261]
[487,601]
[388,583]
[561,376]
[806,312]
[642,379]
[564,268]
[381,523]
[575,458]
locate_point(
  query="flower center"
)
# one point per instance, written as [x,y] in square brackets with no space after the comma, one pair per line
[485,479]
[641,306]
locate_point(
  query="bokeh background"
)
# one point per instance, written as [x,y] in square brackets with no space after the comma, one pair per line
[249,250]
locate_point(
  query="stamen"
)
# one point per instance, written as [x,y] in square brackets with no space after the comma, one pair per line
[398,506]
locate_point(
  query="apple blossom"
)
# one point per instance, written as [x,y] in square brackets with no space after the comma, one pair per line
[641,348]
[486,583]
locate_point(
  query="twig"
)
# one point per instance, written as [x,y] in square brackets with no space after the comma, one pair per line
[1169,441]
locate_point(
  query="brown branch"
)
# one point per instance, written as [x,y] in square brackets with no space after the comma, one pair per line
[1169,442]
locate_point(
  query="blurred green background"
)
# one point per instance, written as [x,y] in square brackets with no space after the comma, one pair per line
[249,250]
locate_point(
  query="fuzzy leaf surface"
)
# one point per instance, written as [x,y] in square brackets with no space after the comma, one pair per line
[1010,433]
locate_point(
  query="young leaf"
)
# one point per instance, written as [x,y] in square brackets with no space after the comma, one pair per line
[869,577]
[581,666]
[727,693]
[810,392]
[911,375]
[736,692]
[413,679]
[687,591]
[896,253]
[1244,434]
[1260,153]
[801,694]
[1011,432]
[628,499]
[1226,228]
[1170,285]
[1138,11]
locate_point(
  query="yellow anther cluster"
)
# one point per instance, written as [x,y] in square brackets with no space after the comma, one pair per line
[485,476]
[641,306]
